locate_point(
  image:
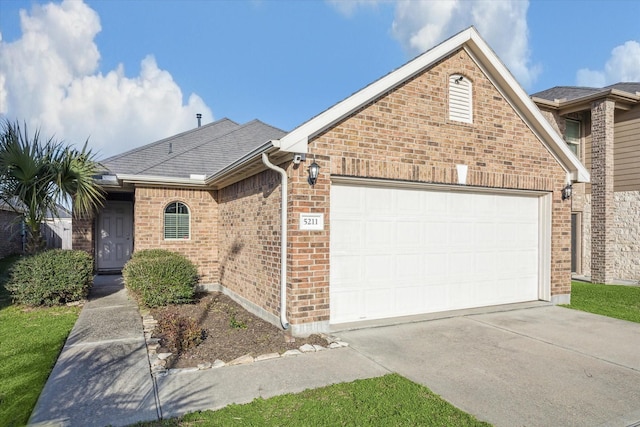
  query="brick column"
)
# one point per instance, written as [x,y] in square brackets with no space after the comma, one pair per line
[602,237]
[82,234]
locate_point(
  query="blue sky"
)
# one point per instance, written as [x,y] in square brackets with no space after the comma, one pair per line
[126,73]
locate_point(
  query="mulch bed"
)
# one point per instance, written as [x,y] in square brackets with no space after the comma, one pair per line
[230,331]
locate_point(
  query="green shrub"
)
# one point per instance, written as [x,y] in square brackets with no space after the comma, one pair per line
[152,253]
[178,333]
[51,278]
[158,277]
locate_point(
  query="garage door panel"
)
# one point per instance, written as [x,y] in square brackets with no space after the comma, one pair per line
[435,266]
[409,266]
[435,234]
[378,234]
[377,302]
[409,234]
[378,268]
[345,270]
[352,235]
[423,251]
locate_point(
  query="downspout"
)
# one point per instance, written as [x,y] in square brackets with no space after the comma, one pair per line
[283,241]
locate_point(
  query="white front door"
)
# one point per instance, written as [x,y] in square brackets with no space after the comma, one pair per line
[115,235]
[397,252]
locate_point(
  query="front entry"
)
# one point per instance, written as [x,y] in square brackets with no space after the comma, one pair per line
[115,235]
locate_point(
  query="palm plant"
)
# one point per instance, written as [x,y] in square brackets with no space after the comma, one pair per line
[36,177]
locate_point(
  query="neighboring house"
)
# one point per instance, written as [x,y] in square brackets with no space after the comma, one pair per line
[602,127]
[10,231]
[440,188]
[56,230]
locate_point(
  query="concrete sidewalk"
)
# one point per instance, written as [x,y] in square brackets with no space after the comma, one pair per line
[103,377]
[529,364]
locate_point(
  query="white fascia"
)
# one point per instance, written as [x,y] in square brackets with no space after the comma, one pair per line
[161,180]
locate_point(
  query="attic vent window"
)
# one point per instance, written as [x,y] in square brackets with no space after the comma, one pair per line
[460,99]
[176,221]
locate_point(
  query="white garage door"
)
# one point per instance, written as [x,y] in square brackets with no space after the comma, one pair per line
[397,252]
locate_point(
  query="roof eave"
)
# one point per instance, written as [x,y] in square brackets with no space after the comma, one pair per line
[623,99]
[155,180]
[248,165]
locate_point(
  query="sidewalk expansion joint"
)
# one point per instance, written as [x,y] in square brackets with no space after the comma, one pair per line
[107,342]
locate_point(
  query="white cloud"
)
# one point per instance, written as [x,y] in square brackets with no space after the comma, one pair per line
[622,66]
[49,78]
[421,25]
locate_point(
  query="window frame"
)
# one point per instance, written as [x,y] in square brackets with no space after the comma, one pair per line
[577,142]
[179,219]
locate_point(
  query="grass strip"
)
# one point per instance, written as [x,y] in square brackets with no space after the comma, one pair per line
[391,400]
[30,342]
[620,302]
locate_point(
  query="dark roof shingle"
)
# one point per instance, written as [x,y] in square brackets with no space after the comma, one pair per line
[203,151]
[569,93]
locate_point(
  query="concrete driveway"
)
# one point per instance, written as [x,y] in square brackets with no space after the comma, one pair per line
[537,366]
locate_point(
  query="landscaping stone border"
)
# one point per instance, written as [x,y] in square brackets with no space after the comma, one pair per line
[158,361]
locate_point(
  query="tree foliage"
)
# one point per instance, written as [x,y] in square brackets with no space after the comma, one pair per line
[37,176]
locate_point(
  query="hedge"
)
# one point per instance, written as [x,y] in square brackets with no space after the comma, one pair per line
[51,277]
[159,277]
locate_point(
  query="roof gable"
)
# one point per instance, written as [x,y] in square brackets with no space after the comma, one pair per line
[469,39]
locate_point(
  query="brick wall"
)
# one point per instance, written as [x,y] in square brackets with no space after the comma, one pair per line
[201,248]
[9,233]
[249,239]
[406,135]
[83,234]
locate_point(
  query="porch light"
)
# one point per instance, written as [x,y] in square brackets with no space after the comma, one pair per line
[566,192]
[314,170]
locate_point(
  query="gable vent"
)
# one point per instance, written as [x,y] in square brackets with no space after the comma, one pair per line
[460,99]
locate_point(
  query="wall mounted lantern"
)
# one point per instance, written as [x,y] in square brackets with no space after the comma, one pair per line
[314,170]
[566,192]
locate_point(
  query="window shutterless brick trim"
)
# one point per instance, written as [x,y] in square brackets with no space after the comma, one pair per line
[201,248]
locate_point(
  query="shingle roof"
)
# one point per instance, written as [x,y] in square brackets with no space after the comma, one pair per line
[569,93]
[203,151]
[566,92]
[631,87]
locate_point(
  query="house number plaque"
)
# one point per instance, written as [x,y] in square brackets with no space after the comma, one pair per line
[311,221]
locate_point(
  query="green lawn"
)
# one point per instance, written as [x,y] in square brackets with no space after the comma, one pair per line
[391,400]
[620,302]
[30,341]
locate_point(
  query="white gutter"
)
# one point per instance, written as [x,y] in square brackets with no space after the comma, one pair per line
[283,240]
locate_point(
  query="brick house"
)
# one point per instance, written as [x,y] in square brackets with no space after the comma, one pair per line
[440,188]
[602,127]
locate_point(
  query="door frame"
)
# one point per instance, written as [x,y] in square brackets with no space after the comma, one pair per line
[98,230]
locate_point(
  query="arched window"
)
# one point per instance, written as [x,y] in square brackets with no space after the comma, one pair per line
[460,99]
[176,221]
